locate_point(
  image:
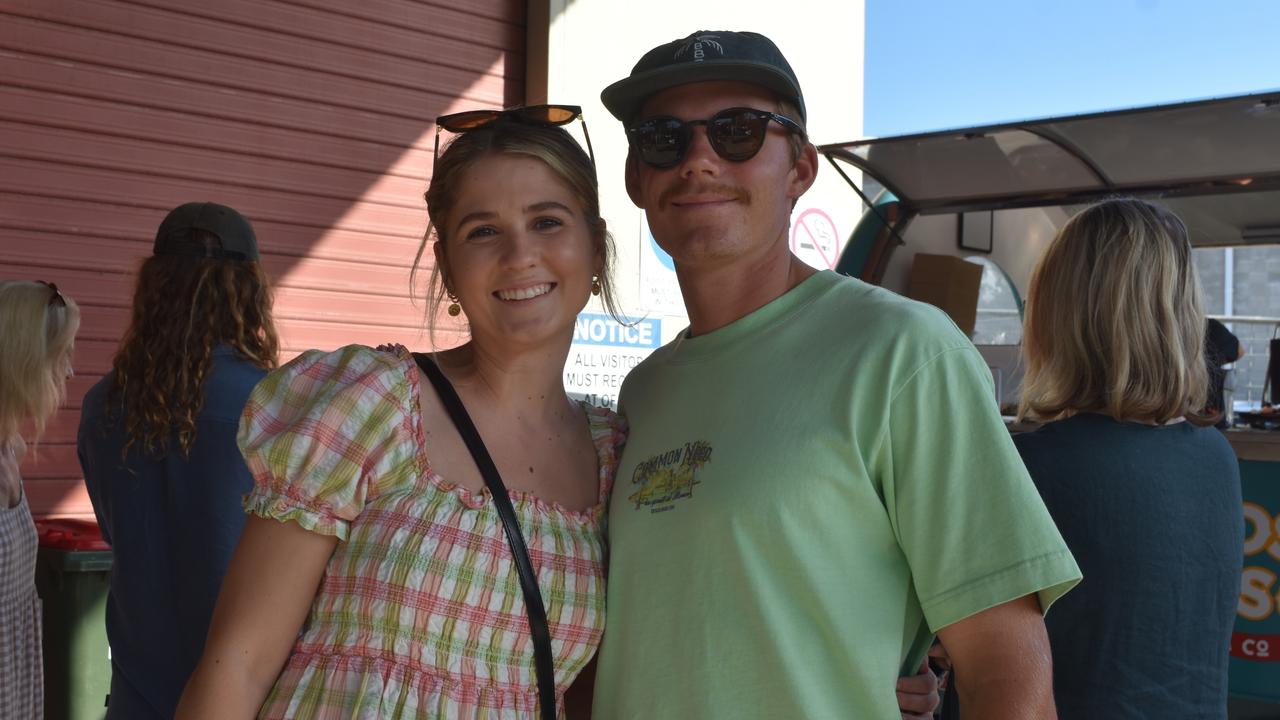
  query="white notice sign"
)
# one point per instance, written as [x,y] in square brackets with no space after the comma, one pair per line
[603,352]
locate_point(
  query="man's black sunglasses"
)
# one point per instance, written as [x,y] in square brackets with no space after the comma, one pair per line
[548,115]
[736,134]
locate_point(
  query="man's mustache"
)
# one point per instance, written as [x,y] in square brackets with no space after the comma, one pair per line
[693,188]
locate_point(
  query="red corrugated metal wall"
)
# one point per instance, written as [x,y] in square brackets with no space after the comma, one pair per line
[312,117]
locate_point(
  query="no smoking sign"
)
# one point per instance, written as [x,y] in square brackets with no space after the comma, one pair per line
[814,239]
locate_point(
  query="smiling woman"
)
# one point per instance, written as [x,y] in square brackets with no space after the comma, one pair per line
[561,161]
[522,263]
[368,503]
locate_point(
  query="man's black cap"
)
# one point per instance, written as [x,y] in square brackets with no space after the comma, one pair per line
[705,55]
[174,235]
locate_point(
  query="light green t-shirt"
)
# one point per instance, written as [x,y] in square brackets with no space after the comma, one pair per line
[805,496]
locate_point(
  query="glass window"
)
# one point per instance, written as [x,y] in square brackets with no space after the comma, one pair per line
[1241,288]
[999,319]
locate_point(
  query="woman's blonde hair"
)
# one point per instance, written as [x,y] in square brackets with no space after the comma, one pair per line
[1114,321]
[37,333]
[551,145]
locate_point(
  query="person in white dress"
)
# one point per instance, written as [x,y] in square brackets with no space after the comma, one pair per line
[38,325]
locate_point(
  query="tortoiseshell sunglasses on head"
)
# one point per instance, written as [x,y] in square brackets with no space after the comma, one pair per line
[546,115]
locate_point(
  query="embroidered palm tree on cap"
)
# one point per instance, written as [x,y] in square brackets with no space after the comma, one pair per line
[695,43]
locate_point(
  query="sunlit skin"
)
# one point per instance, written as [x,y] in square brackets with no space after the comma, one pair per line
[724,223]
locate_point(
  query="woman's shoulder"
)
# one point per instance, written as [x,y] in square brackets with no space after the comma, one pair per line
[1090,438]
[1214,443]
[348,360]
[352,381]
[604,419]
[609,433]
[329,372]
[1083,439]
[327,432]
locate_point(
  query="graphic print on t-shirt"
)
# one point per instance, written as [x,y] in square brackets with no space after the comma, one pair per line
[668,477]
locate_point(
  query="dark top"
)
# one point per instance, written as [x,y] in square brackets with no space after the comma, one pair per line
[172,524]
[1220,348]
[1153,517]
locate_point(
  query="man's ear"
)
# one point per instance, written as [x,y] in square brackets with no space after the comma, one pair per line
[804,172]
[632,176]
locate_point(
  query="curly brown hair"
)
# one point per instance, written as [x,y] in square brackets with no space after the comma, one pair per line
[183,308]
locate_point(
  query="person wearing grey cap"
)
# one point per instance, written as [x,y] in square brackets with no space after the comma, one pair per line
[817,479]
[157,444]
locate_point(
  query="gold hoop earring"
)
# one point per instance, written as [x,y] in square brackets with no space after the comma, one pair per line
[595,285]
[454,308]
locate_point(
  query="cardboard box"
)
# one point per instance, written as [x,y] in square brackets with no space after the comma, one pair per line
[947,282]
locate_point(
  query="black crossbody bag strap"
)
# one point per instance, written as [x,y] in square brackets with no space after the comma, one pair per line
[502,501]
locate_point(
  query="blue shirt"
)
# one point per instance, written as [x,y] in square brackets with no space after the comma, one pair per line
[1152,515]
[172,523]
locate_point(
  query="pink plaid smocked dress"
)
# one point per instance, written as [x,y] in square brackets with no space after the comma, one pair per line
[419,613]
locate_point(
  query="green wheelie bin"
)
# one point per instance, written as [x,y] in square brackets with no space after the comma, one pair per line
[73,569]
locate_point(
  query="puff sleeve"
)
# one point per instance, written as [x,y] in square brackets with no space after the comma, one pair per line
[324,434]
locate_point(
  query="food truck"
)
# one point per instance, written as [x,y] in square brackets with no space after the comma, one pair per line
[994,195]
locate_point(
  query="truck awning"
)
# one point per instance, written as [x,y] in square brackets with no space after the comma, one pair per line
[1214,162]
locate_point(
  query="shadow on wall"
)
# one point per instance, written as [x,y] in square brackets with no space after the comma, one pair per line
[314,119]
